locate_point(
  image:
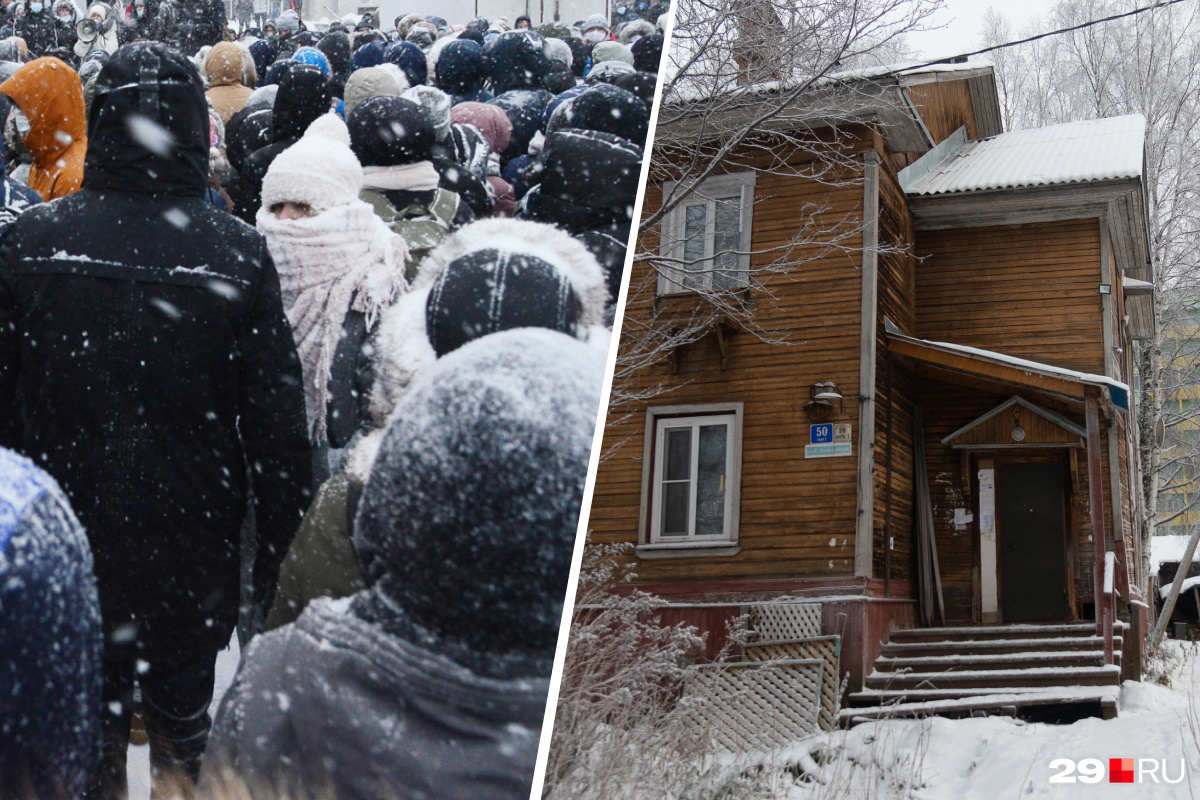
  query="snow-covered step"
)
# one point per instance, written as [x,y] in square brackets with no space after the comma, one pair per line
[959,662]
[984,632]
[996,646]
[1107,675]
[1006,703]
[875,697]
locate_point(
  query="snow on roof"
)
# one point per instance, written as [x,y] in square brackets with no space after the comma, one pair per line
[684,94]
[1074,152]
[1187,585]
[1034,367]
[1168,549]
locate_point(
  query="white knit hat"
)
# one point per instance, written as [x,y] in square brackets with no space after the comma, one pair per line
[320,170]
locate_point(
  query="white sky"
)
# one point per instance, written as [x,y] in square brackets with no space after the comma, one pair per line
[961,21]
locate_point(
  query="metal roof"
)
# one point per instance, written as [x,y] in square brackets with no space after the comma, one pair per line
[1074,152]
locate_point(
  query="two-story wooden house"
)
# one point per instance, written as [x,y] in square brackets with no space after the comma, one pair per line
[939,430]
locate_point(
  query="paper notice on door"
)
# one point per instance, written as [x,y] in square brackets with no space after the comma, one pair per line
[961,517]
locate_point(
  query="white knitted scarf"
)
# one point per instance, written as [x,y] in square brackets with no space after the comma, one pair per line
[343,258]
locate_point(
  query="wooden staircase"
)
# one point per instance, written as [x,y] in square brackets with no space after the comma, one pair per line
[1038,672]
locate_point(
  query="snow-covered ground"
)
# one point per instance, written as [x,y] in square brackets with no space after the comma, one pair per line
[138,766]
[996,757]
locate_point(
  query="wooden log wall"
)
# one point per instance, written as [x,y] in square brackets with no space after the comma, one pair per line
[1024,290]
[797,515]
[895,387]
[945,106]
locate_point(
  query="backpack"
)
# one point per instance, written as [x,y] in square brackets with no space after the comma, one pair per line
[421,228]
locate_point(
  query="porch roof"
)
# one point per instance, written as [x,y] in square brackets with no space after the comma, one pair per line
[995,367]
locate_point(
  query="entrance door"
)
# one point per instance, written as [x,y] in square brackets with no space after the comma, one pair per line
[1033,572]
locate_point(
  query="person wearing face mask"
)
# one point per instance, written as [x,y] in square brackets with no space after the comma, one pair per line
[106,32]
[596,30]
[38,29]
[50,95]
[340,266]
[64,18]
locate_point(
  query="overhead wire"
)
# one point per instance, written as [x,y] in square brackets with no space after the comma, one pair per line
[1079,27]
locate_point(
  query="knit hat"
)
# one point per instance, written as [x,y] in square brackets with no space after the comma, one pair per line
[319,171]
[492,290]
[390,131]
[289,21]
[436,105]
[611,51]
[596,21]
[369,82]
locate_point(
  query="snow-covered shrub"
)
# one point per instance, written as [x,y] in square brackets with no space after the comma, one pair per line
[620,728]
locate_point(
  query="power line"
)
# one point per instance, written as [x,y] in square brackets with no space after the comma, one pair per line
[1081,26]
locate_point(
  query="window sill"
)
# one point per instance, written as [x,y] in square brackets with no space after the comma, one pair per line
[652,552]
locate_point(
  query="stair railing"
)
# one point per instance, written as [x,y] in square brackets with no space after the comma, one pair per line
[1108,611]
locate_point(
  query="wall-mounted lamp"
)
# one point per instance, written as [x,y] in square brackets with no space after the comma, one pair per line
[821,399]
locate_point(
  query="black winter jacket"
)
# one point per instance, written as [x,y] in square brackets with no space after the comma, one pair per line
[40,32]
[146,363]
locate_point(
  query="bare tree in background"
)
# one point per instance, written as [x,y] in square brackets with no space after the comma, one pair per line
[1147,64]
[751,83]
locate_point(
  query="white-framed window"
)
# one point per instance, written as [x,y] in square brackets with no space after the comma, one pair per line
[691,480]
[705,242]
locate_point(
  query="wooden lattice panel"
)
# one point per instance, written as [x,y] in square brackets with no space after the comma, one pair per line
[773,622]
[755,707]
[825,648]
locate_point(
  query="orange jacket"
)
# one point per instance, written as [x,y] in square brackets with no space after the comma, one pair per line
[51,97]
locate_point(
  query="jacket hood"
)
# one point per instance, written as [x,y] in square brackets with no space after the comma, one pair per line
[304,95]
[410,58]
[51,96]
[336,47]
[149,124]
[524,108]
[489,120]
[224,65]
[589,180]
[467,523]
[460,66]
[516,60]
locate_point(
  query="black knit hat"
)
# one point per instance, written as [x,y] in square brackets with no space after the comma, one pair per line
[487,291]
[388,131]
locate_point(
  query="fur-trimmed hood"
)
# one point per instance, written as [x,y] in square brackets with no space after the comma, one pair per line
[403,347]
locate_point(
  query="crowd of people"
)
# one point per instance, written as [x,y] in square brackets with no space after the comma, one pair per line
[302,335]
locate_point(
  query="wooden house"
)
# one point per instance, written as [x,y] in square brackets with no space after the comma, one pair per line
[943,395]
